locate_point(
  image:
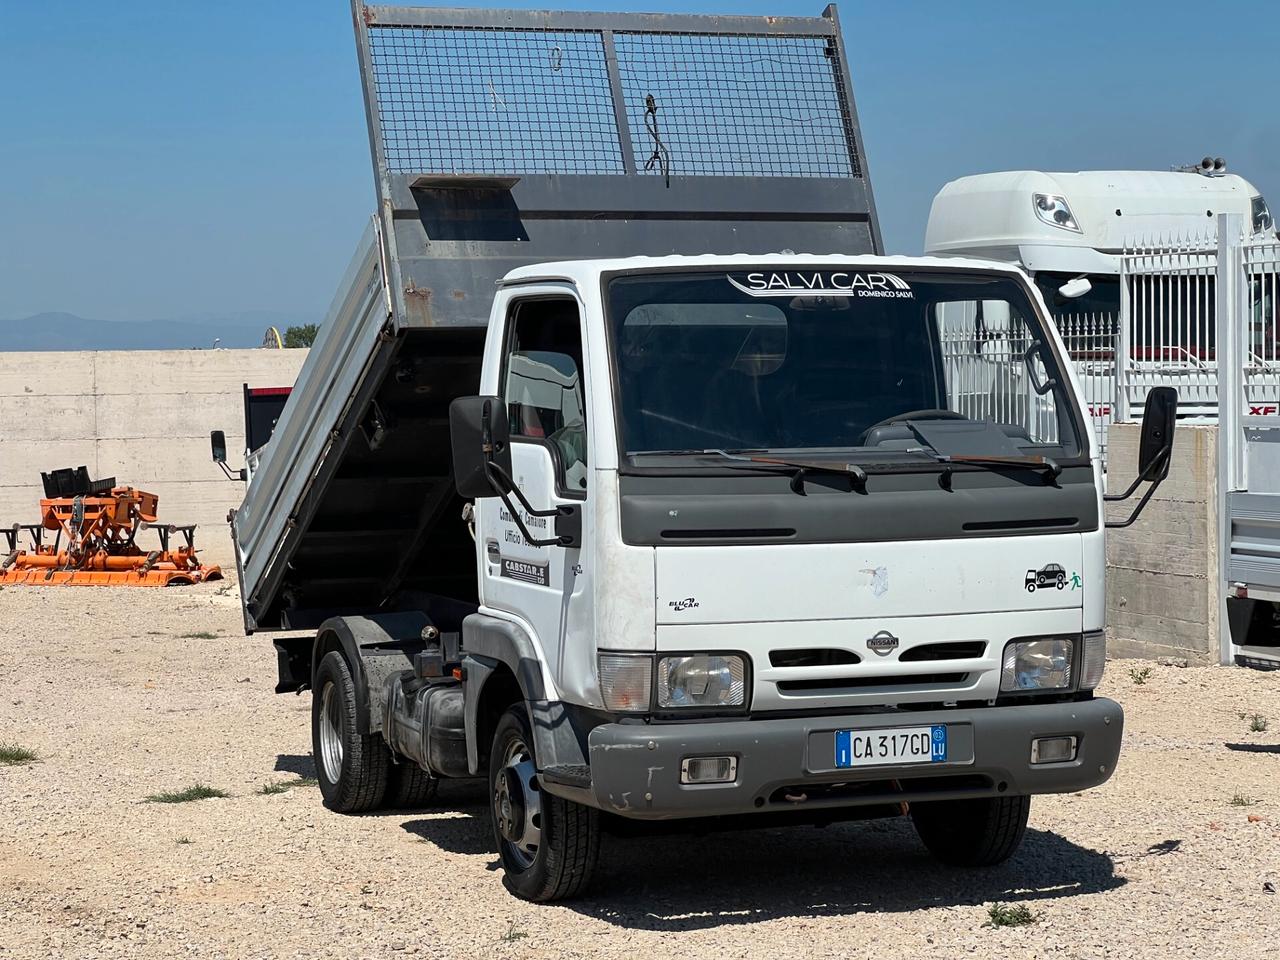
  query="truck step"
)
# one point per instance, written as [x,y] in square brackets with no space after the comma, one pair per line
[570,774]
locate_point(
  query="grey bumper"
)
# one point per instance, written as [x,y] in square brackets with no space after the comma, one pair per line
[785,764]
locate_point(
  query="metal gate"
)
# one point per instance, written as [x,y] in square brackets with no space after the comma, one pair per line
[1168,327]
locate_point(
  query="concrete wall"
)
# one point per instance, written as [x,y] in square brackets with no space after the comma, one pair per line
[1162,595]
[141,416]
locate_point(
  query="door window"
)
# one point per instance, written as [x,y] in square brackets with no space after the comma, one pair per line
[542,383]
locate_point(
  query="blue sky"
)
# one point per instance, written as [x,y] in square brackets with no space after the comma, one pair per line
[179,159]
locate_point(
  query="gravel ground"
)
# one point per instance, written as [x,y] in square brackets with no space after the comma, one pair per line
[124,694]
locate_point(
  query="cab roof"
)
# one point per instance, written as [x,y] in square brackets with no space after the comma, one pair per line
[587,273]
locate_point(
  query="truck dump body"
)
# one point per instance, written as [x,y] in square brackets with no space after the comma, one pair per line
[501,138]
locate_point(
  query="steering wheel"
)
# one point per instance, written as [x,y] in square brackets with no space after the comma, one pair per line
[933,413]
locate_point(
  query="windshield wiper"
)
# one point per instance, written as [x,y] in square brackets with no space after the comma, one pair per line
[857,476]
[1033,462]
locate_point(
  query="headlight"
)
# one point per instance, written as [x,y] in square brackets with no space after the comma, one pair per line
[706,680]
[1037,665]
[1262,219]
[1054,211]
[625,682]
[1094,661]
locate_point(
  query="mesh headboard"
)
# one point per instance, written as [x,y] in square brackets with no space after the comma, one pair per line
[611,117]
[530,100]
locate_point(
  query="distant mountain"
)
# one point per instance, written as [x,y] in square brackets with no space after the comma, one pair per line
[66,331]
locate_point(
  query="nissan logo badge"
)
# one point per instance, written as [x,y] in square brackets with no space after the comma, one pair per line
[883,643]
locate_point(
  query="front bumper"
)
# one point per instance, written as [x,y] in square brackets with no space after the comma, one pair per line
[786,764]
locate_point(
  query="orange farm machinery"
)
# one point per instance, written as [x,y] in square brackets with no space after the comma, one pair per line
[88,536]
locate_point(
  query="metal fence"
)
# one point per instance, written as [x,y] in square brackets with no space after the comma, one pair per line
[1169,330]
[1167,335]
[984,346]
[987,376]
[1260,262]
[1092,340]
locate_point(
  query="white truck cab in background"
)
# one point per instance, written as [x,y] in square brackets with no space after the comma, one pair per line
[1061,226]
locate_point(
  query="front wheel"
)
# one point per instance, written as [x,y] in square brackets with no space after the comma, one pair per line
[972,833]
[548,845]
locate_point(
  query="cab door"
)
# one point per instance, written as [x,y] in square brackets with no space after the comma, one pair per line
[542,384]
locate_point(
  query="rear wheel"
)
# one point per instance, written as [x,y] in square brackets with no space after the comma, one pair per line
[548,845]
[351,768]
[409,786]
[972,833]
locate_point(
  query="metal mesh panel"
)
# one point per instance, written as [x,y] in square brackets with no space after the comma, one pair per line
[479,100]
[736,105]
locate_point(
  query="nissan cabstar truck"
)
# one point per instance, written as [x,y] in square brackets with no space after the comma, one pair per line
[595,489]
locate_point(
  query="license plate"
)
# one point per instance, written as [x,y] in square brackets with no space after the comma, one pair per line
[871,748]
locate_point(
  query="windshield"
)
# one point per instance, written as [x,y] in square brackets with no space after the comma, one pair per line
[840,360]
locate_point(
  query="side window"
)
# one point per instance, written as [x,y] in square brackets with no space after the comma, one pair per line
[542,382]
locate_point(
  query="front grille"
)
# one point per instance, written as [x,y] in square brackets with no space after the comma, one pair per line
[847,684]
[951,650]
[813,657]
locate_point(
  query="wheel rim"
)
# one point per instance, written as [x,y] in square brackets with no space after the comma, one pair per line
[331,732]
[517,806]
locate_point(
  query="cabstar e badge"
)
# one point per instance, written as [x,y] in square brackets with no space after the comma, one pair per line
[883,643]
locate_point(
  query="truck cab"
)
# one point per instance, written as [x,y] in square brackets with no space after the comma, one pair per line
[1061,226]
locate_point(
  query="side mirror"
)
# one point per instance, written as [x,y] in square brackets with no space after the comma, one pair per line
[1155,449]
[1074,288]
[218,441]
[479,435]
[1158,421]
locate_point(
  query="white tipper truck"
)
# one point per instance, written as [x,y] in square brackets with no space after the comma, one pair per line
[742,539]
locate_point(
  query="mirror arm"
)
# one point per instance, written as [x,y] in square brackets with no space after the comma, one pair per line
[241,474]
[1156,463]
[1119,524]
[502,485]
[508,485]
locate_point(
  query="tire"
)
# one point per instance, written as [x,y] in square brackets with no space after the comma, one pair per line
[1031,588]
[567,834]
[409,786]
[352,769]
[972,833]
[1062,582]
